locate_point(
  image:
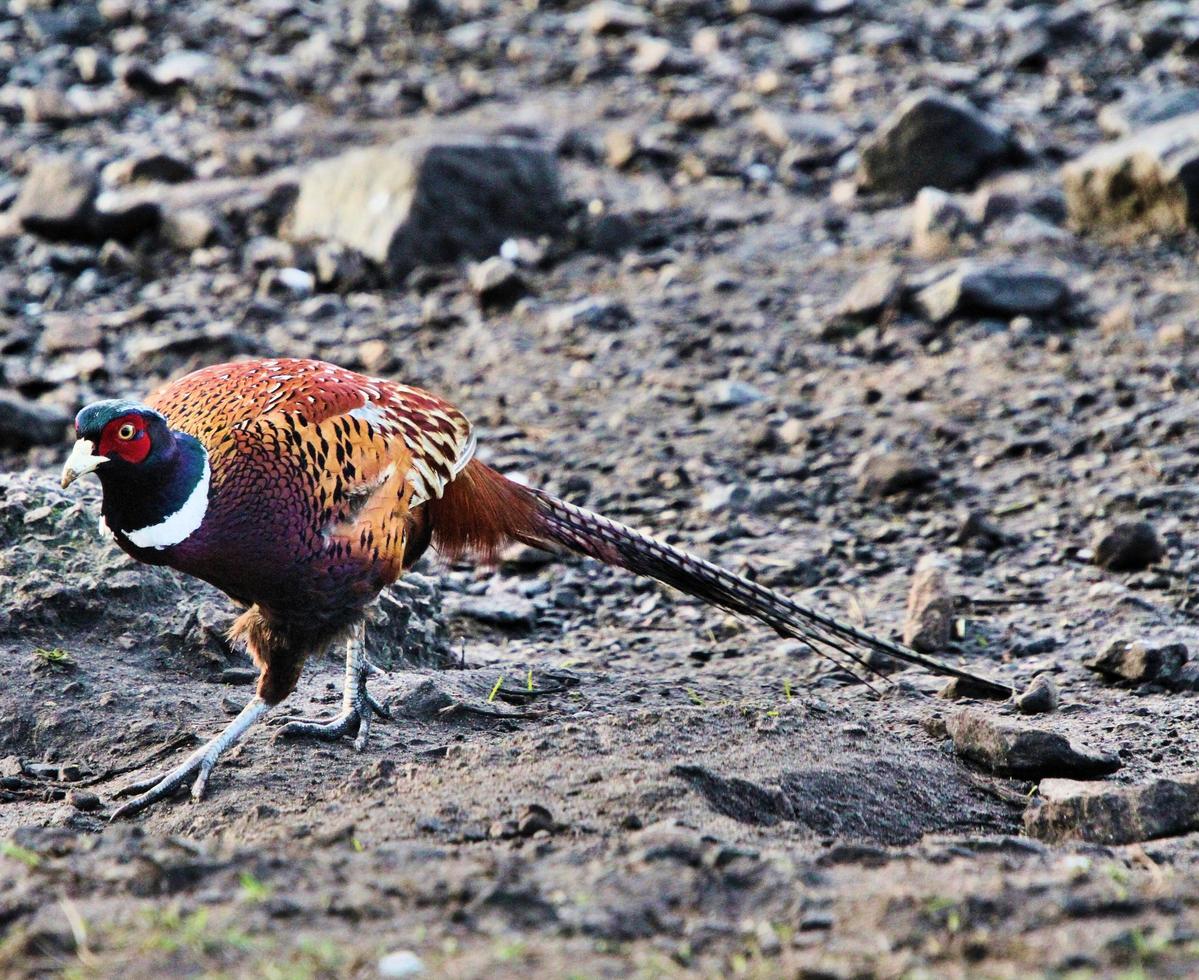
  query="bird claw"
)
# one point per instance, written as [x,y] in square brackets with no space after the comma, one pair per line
[157,788]
[355,719]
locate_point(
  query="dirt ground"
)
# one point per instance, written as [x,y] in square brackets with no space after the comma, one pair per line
[696,797]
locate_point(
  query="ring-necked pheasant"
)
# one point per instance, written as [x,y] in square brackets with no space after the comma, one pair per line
[302,489]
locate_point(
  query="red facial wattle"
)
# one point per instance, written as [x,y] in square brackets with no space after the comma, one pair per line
[126,438]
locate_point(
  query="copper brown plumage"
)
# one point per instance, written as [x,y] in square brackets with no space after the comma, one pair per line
[302,489]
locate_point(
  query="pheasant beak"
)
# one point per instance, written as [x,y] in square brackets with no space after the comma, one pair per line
[83,459]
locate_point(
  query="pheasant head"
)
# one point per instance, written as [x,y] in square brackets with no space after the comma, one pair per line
[155,479]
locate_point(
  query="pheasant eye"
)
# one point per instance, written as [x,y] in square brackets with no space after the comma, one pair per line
[126,431]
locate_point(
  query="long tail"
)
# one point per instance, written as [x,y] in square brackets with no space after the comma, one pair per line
[482,510]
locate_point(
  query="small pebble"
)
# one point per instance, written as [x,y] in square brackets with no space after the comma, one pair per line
[401,963]
[1041,698]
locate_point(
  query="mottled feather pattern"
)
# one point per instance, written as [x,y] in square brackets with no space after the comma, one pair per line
[316,471]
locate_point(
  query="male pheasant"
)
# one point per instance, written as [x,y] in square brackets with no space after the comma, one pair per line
[302,489]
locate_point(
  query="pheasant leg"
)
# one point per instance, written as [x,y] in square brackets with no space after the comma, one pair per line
[194,769]
[358,707]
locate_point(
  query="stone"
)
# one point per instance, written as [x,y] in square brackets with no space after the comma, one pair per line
[161,167]
[1040,697]
[933,140]
[287,283]
[24,424]
[729,394]
[1145,183]
[57,200]
[399,964]
[421,203]
[609,17]
[1138,110]
[886,473]
[958,688]
[496,281]
[506,610]
[1067,810]
[66,332]
[805,47]
[875,292]
[188,228]
[84,801]
[791,10]
[1140,661]
[810,138]
[1011,748]
[340,267]
[183,68]
[726,498]
[533,817]
[938,223]
[979,530]
[1001,289]
[592,313]
[124,217]
[1131,546]
[928,624]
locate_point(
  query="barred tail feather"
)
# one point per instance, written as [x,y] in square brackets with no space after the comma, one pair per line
[542,520]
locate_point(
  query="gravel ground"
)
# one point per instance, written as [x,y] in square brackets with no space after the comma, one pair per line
[813,288]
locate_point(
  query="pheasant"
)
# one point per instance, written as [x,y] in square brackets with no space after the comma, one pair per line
[302,489]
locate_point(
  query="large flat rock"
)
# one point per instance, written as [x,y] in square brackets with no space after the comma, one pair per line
[421,202]
[1148,182]
[1105,814]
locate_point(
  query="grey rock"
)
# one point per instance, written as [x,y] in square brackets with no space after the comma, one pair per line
[1128,547]
[933,140]
[496,280]
[875,291]
[163,167]
[806,47]
[609,17]
[939,222]
[429,202]
[1013,749]
[1068,810]
[1140,661]
[189,228]
[340,267]
[928,623]
[808,139]
[83,800]
[399,964]
[287,283]
[507,610]
[730,394]
[66,332]
[592,313]
[1003,289]
[1139,110]
[792,10]
[1040,698]
[727,498]
[24,423]
[93,66]
[182,68]
[57,200]
[532,818]
[124,218]
[1148,182]
[979,530]
[886,473]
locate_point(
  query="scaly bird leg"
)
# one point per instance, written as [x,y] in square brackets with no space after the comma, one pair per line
[358,707]
[198,765]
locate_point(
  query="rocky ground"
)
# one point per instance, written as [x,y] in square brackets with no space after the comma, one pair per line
[858,298]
